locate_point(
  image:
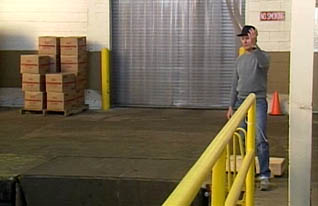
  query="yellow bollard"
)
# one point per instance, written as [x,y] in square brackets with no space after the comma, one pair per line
[105,79]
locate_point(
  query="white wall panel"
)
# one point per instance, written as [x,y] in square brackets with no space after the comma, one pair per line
[98,31]
[35,17]
[43,6]
[21,22]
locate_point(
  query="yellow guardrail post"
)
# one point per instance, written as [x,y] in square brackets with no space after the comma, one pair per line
[105,79]
[236,189]
[250,145]
[246,171]
[218,181]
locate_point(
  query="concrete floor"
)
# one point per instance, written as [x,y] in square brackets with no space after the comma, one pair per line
[148,150]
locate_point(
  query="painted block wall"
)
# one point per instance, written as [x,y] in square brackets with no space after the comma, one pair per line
[21,22]
[273,35]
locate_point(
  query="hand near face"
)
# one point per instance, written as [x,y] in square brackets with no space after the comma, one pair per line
[252,34]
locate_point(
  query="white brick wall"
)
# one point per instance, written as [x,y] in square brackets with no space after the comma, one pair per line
[21,22]
[273,35]
[98,24]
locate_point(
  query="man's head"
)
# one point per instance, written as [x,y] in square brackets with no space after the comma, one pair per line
[248,37]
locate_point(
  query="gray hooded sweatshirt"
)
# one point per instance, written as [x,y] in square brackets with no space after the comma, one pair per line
[250,75]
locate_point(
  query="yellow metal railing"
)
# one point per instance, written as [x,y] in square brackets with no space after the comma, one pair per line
[214,157]
[232,160]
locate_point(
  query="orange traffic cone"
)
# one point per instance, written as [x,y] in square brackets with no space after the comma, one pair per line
[275,105]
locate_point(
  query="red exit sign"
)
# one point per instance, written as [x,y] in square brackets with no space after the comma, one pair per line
[272,16]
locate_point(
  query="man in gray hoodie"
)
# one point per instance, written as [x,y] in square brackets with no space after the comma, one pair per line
[250,76]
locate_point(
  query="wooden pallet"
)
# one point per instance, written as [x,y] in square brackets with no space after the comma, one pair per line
[68,112]
[29,111]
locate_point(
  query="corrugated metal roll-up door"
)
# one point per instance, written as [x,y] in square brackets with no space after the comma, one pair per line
[172,53]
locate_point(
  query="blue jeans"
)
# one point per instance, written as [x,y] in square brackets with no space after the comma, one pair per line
[262,146]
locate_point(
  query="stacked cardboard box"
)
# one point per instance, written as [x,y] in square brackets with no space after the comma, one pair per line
[74,60]
[55,78]
[34,64]
[34,100]
[50,46]
[33,82]
[33,69]
[61,93]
